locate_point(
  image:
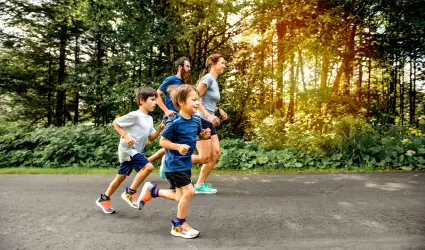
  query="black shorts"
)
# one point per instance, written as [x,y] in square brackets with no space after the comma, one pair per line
[179,179]
[207,124]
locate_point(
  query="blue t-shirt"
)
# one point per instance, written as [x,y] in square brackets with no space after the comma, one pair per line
[182,131]
[171,80]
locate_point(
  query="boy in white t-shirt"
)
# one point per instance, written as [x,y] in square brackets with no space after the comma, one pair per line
[135,129]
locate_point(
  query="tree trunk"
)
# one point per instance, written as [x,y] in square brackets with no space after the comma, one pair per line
[262,62]
[301,67]
[401,79]
[369,79]
[77,93]
[49,93]
[349,57]
[61,93]
[291,107]
[393,92]
[281,32]
[316,61]
[359,83]
[99,64]
[337,80]
[324,71]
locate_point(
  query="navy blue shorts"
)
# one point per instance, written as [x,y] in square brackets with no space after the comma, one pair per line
[137,162]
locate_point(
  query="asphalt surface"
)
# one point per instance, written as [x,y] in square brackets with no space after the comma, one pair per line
[311,211]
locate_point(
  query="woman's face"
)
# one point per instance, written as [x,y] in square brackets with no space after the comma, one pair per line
[219,66]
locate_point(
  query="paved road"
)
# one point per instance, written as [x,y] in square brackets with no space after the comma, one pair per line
[314,211]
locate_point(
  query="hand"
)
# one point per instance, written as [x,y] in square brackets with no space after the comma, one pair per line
[161,126]
[129,140]
[183,148]
[214,119]
[206,133]
[169,113]
[222,114]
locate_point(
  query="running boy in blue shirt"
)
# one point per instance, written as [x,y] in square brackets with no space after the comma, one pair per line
[135,129]
[179,140]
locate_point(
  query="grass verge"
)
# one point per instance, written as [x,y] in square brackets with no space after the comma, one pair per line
[195,171]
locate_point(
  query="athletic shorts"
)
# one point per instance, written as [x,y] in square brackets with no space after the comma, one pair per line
[179,179]
[137,162]
[207,124]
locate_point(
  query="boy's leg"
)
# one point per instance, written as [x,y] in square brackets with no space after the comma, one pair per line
[104,201]
[150,191]
[187,195]
[141,176]
[115,184]
[158,155]
[143,168]
[179,226]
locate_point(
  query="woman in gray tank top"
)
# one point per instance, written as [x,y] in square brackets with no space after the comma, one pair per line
[210,95]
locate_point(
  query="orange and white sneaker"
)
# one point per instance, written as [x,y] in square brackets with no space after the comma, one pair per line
[183,230]
[131,199]
[146,194]
[105,205]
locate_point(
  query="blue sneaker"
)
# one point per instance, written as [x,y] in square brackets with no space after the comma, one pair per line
[205,189]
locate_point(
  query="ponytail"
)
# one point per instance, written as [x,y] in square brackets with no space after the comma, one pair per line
[211,60]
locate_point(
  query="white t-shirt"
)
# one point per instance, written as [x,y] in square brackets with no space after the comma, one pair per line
[137,125]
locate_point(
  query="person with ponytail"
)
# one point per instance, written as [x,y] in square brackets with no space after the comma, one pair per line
[210,95]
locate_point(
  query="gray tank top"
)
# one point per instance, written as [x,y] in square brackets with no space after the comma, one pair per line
[212,94]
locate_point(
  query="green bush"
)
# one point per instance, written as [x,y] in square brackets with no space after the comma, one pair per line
[71,146]
[350,144]
[329,142]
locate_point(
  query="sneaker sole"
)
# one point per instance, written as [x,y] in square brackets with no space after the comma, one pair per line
[128,201]
[203,192]
[183,235]
[106,212]
[145,187]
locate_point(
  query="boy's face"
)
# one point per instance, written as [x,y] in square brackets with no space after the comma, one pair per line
[150,103]
[191,104]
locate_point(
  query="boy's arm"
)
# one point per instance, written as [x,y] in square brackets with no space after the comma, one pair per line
[182,148]
[157,133]
[128,139]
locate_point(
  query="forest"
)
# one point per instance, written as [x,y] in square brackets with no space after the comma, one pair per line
[308,84]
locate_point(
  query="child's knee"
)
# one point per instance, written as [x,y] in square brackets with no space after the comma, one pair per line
[148,167]
[189,192]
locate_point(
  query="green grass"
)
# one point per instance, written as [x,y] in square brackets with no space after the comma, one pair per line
[195,171]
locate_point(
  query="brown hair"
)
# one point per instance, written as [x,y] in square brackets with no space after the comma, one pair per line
[143,93]
[211,60]
[180,62]
[180,94]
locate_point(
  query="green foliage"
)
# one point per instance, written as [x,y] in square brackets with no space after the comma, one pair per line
[70,146]
[325,142]
[352,147]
